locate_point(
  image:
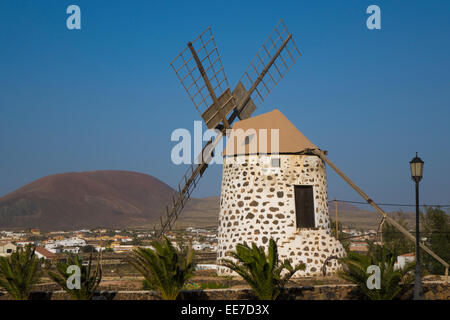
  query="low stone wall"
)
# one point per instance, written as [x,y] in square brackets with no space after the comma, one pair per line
[432,291]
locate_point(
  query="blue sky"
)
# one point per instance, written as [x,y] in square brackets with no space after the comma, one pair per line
[105,97]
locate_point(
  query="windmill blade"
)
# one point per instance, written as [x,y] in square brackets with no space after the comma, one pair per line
[179,198]
[186,187]
[271,63]
[199,69]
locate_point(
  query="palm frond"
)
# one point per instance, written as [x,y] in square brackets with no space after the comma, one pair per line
[261,271]
[394,282]
[19,272]
[90,278]
[164,267]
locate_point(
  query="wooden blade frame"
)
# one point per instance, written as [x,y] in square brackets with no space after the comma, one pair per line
[271,63]
[199,69]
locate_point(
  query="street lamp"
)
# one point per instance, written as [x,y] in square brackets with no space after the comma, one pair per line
[416,165]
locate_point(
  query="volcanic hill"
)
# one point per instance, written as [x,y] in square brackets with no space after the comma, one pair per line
[85,199]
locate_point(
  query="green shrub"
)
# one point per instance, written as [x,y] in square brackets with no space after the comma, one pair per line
[165,269]
[262,272]
[19,272]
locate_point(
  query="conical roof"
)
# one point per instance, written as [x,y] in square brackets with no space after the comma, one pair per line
[244,132]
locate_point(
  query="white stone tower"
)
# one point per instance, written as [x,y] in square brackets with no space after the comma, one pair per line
[276,192]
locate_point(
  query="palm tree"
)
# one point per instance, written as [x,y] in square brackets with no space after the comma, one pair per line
[19,272]
[89,281]
[262,272]
[165,268]
[394,282]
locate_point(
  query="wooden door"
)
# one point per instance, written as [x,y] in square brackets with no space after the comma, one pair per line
[304,206]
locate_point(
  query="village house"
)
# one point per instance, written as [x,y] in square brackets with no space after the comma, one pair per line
[12,235]
[404,259]
[6,248]
[72,242]
[122,238]
[35,232]
[57,232]
[43,253]
[359,247]
[74,250]
[99,248]
[122,248]
[206,266]
[24,243]
[198,246]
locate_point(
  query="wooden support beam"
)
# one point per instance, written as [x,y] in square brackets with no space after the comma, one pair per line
[377,208]
[381,231]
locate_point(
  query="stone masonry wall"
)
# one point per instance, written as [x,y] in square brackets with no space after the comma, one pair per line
[257,203]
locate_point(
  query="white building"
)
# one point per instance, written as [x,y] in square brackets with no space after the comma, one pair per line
[6,248]
[24,243]
[204,266]
[74,250]
[65,244]
[276,191]
[198,246]
[43,253]
[123,248]
[53,249]
[404,259]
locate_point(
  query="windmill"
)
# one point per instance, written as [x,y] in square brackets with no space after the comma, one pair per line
[199,69]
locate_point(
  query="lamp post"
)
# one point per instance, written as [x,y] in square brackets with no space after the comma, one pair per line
[416,165]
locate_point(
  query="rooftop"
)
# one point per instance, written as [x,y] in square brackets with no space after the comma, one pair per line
[47,254]
[249,136]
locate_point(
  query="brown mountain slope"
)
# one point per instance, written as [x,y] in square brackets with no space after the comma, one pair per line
[85,199]
[199,213]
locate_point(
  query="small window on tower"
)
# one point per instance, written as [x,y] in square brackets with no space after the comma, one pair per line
[276,163]
[248,138]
